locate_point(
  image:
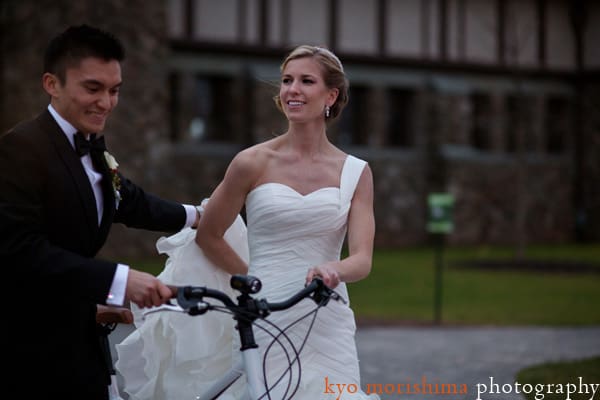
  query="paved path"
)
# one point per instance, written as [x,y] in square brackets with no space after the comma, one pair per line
[467,355]
[460,355]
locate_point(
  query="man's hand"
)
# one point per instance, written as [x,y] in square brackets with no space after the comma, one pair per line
[145,290]
[110,315]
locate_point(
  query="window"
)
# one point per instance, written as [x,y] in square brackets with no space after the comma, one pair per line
[352,126]
[520,115]
[400,121]
[481,120]
[511,124]
[201,108]
[556,123]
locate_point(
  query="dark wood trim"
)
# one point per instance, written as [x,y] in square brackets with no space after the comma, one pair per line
[443,33]
[333,25]
[461,29]
[242,25]
[276,53]
[263,21]
[285,22]
[541,24]
[501,31]
[381,24]
[578,16]
[205,47]
[425,28]
[189,14]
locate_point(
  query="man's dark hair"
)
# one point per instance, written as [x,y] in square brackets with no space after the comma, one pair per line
[79,42]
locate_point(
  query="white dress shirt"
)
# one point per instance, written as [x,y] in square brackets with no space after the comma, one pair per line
[116,295]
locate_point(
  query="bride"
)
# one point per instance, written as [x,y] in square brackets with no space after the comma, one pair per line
[303,197]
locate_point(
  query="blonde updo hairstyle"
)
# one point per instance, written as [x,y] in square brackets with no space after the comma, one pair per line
[333,75]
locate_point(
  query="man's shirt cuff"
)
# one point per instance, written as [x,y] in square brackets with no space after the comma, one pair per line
[116,296]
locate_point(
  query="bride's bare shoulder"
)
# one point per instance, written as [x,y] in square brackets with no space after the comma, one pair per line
[258,154]
[253,160]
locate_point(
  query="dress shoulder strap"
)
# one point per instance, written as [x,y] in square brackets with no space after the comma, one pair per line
[351,172]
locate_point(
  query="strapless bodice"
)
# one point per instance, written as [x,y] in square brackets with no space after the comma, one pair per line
[289,233]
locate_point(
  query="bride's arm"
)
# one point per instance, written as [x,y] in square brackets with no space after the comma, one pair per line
[220,212]
[361,234]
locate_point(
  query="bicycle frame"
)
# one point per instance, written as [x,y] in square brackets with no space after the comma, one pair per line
[249,365]
[248,309]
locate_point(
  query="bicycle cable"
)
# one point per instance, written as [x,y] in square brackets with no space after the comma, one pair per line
[296,355]
[296,359]
[276,339]
[249,318]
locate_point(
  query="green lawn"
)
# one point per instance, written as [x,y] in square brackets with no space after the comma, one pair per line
[548,377]
[401,288]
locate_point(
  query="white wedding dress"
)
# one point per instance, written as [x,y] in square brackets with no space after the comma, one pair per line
[175,356]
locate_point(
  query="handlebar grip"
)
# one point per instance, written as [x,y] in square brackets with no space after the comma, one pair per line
[173,290]
[314,285]
[189,296]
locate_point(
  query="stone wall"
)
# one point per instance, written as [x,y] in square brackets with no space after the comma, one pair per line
[490,197]
[500,197]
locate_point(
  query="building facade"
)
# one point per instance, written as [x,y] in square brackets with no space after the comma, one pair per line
[479,98]
[493,101]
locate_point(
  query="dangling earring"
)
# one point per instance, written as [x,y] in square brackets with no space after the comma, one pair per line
[327,111]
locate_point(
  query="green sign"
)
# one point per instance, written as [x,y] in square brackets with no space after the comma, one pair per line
[440,213]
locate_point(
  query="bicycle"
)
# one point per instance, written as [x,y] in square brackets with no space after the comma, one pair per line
[246,312]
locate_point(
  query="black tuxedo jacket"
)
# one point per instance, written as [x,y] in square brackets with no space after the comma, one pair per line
[49,235]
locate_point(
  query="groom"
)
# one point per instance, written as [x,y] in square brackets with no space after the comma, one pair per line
[60,191]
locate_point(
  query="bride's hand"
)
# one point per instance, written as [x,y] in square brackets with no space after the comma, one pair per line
[327,272]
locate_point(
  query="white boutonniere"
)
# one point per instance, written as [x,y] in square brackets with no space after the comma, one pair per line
[116,180]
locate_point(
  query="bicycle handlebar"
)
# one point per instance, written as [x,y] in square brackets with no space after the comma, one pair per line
[316,285]
[186,294]
[190,298]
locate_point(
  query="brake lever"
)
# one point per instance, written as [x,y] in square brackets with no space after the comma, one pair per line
[322,297]
[337,297]
[168,306]
[200,308]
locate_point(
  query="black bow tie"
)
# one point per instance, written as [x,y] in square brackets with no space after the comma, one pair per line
[84,146]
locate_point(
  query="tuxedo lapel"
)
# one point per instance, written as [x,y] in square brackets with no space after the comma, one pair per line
[73,165]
